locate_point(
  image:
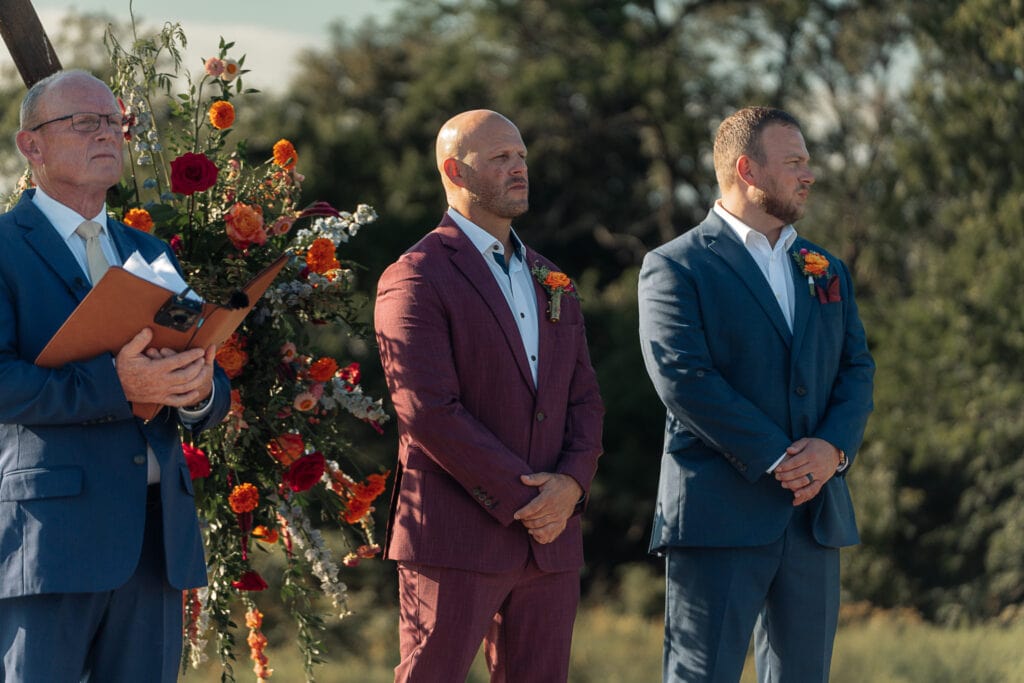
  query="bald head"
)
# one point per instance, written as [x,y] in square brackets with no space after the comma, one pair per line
[461,133]
[482,161]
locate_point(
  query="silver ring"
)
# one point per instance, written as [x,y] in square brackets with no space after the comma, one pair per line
[810,478]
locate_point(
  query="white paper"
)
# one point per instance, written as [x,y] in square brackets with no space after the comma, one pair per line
[160,272]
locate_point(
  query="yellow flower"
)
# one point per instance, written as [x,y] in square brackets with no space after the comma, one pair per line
[222,114]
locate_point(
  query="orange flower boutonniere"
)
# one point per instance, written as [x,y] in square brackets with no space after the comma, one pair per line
[556,284]
[820,282]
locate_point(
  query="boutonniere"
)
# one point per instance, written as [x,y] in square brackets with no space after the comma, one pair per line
[820,281]
[555,284]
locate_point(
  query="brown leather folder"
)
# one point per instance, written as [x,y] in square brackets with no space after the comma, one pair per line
[121,304]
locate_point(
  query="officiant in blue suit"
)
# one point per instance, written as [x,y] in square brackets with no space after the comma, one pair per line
[98,528]
[752,339]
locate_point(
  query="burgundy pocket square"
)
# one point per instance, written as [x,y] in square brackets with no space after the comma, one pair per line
[831,295]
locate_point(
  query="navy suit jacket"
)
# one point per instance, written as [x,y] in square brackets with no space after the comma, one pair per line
[470,419]
[72,455]
[739,388]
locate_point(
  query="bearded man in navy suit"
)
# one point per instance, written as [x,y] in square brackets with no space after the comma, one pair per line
[98,527]
[752,339]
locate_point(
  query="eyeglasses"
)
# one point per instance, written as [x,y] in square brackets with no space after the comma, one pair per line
[87,122]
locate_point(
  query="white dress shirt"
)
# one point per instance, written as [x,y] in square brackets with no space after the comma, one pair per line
[516,282]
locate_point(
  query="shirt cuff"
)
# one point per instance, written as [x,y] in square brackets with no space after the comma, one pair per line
[776,463]
[193,414]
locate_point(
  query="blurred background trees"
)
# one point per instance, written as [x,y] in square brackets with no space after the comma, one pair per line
[912,112]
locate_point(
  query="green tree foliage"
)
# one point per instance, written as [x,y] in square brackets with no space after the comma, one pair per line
[951,434]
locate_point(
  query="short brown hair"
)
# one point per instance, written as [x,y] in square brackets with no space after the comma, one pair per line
[740,135]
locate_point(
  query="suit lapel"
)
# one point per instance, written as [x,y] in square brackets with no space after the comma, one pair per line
[468,260]
[44,239]
[723,242]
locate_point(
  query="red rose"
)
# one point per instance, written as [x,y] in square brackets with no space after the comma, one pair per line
[191,173]
[250,581]
[198,463]
[305,472]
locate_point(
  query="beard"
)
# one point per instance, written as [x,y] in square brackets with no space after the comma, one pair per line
[773,204]
[495,201]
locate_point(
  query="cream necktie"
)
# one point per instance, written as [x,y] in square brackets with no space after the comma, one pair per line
[98,264]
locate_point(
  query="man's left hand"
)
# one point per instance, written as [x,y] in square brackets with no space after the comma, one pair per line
[546,515]
[809,463]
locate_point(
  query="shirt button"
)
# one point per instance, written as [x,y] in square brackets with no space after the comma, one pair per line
[533,358]
[139,460]
[521,314]
[540,417]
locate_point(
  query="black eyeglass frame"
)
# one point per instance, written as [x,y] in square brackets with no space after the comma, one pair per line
[110,118]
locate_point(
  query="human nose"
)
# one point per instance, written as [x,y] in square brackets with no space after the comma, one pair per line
[109,125]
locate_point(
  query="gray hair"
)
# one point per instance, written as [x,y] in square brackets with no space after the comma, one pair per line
[30,104]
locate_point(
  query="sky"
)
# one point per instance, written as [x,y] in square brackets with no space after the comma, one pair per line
[270,34]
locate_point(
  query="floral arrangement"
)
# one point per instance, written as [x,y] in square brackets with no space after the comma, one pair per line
[556,284]
[284,459]
[816,267]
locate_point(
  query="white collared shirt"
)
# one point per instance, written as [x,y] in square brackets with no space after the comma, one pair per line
[774,262]
[67,220]
[516,283]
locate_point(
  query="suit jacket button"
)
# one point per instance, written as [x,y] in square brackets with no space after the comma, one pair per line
[541,416]
[801,391]
[139,460]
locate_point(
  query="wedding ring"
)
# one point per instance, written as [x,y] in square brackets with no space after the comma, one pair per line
[810,478]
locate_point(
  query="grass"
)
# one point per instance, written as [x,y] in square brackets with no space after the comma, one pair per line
[611,646]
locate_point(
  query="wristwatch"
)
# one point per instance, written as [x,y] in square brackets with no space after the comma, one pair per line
[842,461]
[196,407]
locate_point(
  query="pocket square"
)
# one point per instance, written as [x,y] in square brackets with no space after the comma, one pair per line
[830,295]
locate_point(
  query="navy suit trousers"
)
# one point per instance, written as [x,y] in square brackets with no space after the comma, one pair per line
[786,593]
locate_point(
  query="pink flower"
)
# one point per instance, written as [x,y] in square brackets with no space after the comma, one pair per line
[214,67]
[288,352]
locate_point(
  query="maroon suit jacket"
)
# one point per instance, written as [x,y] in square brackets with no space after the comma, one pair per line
[470,420]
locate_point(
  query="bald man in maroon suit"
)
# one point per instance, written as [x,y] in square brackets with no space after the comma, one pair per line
[500,427]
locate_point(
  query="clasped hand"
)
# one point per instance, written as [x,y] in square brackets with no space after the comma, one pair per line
[546,515]
[807,456]
[164,376]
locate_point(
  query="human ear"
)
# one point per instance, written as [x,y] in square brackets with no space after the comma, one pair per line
[451,169]
[28,146]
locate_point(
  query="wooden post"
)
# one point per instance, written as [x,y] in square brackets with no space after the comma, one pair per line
[26,40]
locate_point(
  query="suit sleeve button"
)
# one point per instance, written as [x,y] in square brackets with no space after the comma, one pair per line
[800,391]
[139,460]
